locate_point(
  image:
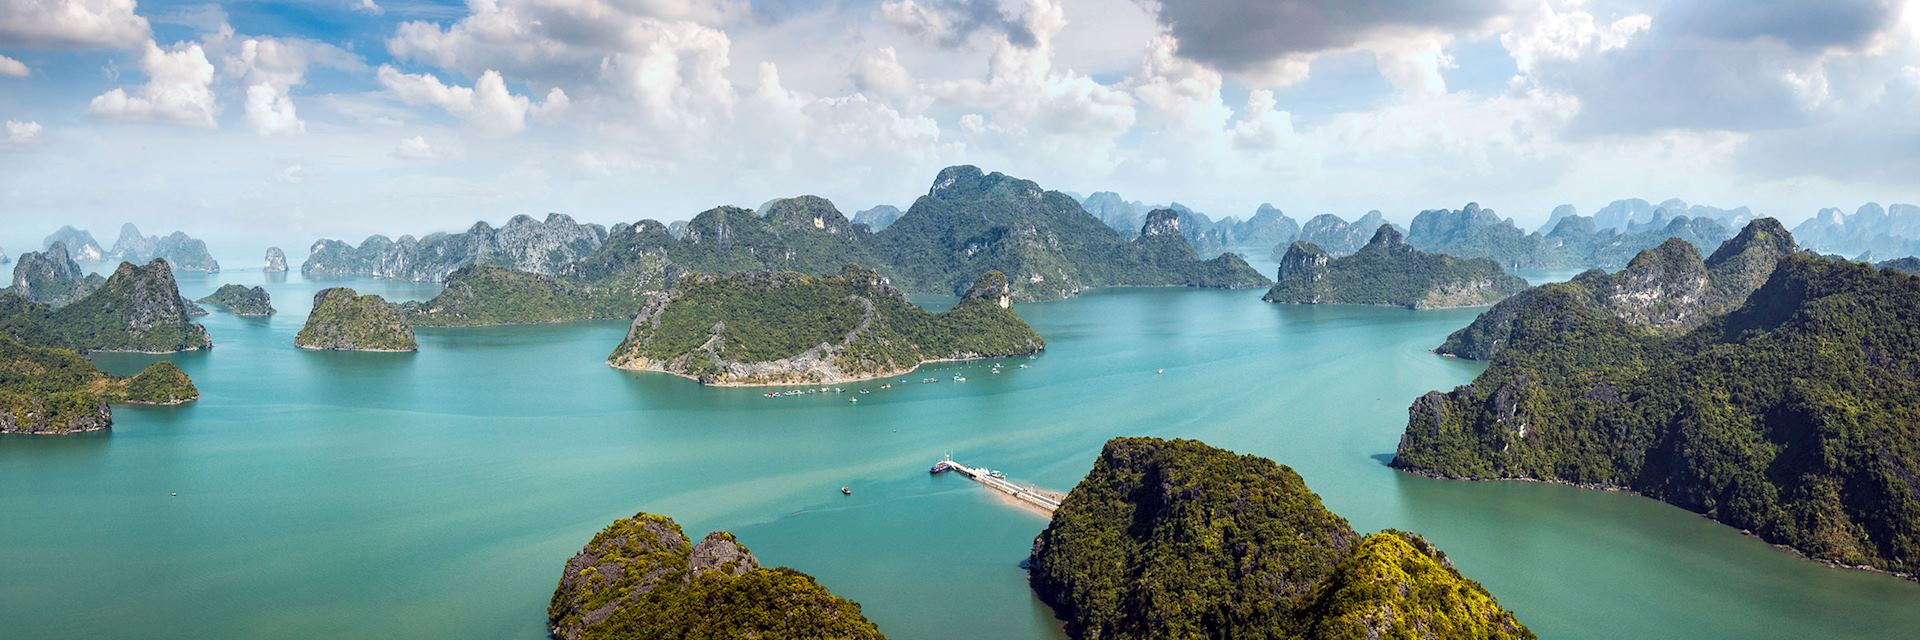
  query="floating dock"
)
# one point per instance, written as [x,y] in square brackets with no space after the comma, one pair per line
[984,476]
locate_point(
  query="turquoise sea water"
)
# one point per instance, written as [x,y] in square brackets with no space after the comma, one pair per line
[438,494]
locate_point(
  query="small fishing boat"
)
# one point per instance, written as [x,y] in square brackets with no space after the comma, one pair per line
[959,378]
[865,391]
[886,386]
[853,399]
[846,491]
[1023,366]
[1159,371]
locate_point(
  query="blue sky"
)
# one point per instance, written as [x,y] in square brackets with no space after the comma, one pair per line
[330,118]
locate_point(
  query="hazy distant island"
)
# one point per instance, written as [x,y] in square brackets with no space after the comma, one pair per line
[276,261]
[1177,539]
[178,249]
[1873,232]
[969,223]
[793,328]
[1789,413]
[1665,289]
[1387,271]
[241,300]
[80,244]
[344,320]
[642,578]
[138,308]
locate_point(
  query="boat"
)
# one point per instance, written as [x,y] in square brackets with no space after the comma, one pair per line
[846,491]
[996,474]
[942,466]
[929,380]
[886,386]
[865,391]
[1159,371]
[1023,366]
[959,378]
[853,399]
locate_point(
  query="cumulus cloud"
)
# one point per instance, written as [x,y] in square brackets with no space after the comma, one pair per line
[368,7]
[951,22]
[19,133]
[55,24]
[1549,34]
[179,90]
[270,110]
[414,148]
[487,105]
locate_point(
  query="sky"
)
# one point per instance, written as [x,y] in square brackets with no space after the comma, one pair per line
[342,118]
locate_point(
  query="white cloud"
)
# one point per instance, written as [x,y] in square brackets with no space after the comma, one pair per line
[11,68]
[414,148]
[1546,34]
[1262,127]
[270,110]
[368,7]
[19,133]
[487,105]
[179,90]
[54,24]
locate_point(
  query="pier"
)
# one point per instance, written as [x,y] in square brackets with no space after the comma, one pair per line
[984,476]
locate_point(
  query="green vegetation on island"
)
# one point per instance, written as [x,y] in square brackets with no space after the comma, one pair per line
[972,222]
[482,295]
[1177,539]
[788,327]
[1665,289]
[642,578]
[344,320]
[241,300]
[1795,415]
[1387,271]
[54,391]
[138,308]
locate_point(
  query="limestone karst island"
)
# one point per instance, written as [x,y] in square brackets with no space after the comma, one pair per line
[936,319]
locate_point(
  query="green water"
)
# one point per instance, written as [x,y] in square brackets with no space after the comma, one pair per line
[438,494]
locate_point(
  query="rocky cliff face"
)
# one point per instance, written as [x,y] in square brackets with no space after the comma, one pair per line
[1337,236]
[276,261]
[1176,539]
[241,300]
[641,578]
[1666,289]
[523,244]
[1872,231]
[80,245]
[51,277]
[343,320]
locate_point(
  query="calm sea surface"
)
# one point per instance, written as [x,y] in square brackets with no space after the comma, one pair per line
[438,494]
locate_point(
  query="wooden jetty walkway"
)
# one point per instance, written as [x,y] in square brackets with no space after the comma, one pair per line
[984,476]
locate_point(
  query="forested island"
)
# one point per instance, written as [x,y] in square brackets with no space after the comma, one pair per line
[1791,414]
[241,300]
[1177,539]
[55,391]
[138,308]
[788,328]
[642,578]
[344,320]
[1387,271]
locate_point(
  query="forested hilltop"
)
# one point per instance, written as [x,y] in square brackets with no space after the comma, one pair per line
[789,327]
[138,308]
[1794,415]
[1665,289]
[1389,272]
[1177,539]
[968,224]
[642,578]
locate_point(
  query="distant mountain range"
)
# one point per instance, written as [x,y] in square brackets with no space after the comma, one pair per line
[970,222]
[1871,233]
[181,251]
